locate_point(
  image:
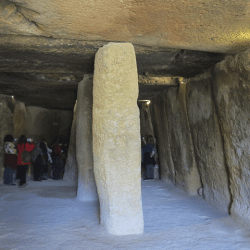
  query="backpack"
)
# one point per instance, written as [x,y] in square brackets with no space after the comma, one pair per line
[40,160]
[26,156]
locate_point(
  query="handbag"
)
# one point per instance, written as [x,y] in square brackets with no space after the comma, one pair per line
[26,156]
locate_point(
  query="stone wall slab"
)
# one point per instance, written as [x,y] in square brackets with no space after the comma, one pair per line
[208,141]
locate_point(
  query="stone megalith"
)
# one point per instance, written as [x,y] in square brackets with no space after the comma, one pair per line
[84,149]
[116,139]
[186,175]
[231,90]
[208,141]
[71,168]
[6,126]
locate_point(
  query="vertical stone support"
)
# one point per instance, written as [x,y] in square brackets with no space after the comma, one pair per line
[162,134]
[84,150]
[116,139]
[177,140]
[208,142]
[71,169]
[231,92]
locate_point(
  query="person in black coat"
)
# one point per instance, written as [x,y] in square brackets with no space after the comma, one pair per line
[148,158]
[39,162]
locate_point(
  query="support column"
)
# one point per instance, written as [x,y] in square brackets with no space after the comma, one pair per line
[116,139]
[71,169]
[84,149]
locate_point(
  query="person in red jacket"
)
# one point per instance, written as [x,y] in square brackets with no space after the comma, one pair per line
[21,166]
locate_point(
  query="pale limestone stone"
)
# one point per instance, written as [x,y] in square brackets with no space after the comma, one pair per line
[19,120]
[161,129]
[146,122]
[231,90]
[208,142]
[210,26]
[185,173]
[6,126]
[84,152]
[116,139]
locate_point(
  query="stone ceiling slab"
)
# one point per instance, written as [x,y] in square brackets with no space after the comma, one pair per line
[45,71]
[48,55]
[207,25]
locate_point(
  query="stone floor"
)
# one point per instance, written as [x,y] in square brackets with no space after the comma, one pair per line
[46,215]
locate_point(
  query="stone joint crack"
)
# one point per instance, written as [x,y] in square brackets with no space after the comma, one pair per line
[20,8]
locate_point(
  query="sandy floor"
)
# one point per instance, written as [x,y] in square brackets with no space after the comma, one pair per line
[46,215]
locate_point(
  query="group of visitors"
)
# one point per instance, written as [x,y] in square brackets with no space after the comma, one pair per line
[47,163]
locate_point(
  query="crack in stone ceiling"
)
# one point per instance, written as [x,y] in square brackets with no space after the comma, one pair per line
[16,18]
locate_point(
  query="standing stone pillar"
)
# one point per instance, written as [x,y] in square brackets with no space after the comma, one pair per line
[116,139]
[71,169]
[84,149]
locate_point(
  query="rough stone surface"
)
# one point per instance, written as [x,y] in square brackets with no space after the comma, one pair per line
[204,25]
[116,139]
[208,142]
[181,145]
[84,149]
[6,125]
[48,124]
[51,91]
[162,133]
[19,119]
[152,86]
[41,56]
[231,89]
[216,126]
[71,168]
[146,124]
[45,72]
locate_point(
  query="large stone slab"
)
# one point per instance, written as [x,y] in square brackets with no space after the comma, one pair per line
[209,26]
[231,88]
[6,126]
[208,142]
[116,139]
[162,133]
[146,124]
[48,124]
[71,168]
[181,145]
[84,150]
[19,119]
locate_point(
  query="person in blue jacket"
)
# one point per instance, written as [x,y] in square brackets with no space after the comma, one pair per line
[148,158]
